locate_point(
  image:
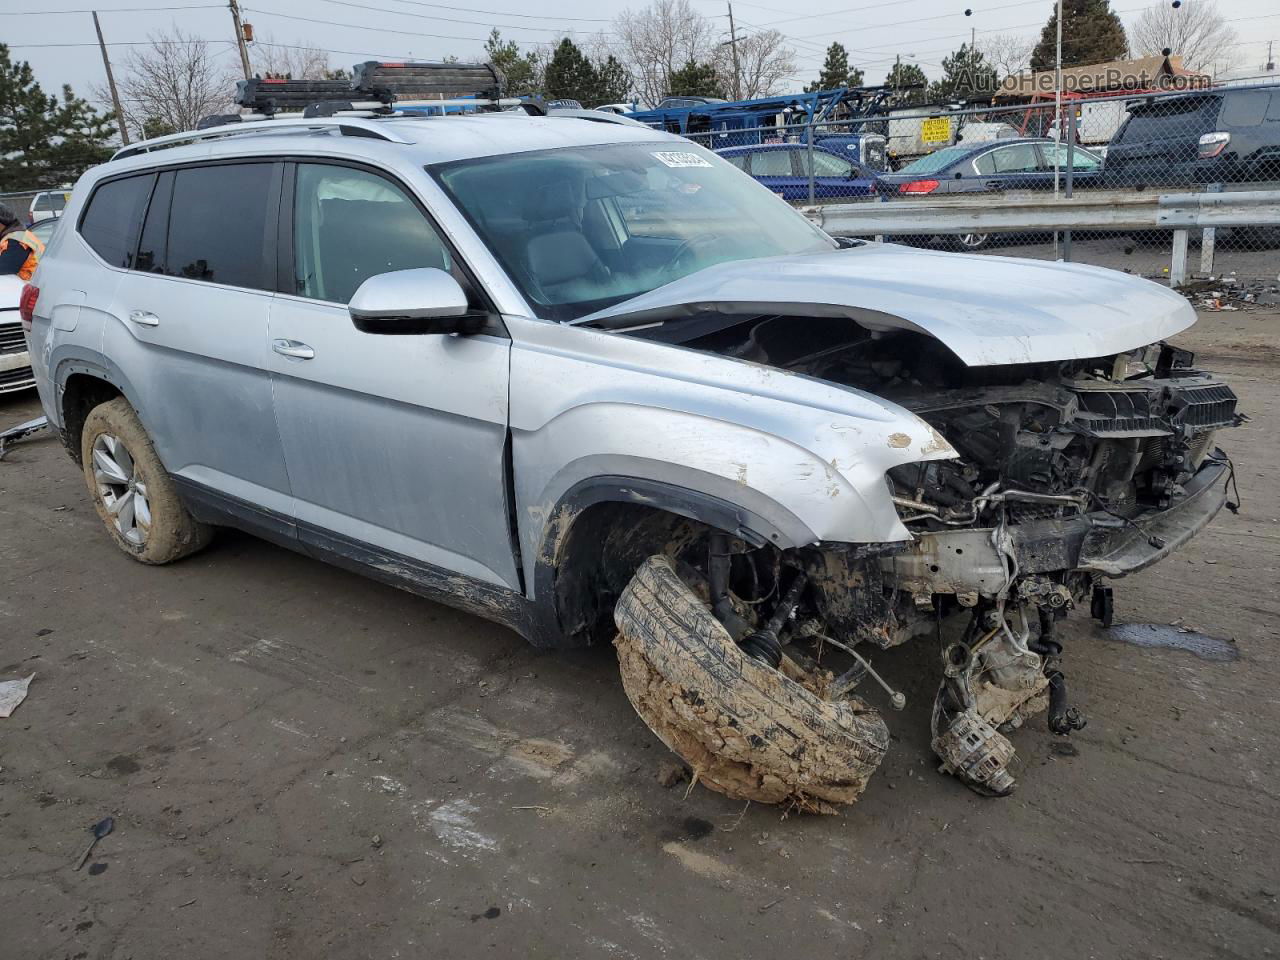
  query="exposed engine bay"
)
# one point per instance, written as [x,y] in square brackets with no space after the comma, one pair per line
[1068,473]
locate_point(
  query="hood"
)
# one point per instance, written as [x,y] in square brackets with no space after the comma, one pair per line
[987,310]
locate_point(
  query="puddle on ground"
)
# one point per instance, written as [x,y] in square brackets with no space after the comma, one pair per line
[1175,638]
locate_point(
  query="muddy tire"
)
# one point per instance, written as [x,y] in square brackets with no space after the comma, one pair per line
[746,730]
[132,491]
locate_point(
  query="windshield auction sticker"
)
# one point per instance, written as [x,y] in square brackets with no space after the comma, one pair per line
[681,159]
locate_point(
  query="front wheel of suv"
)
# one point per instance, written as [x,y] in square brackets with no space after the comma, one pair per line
[131,489]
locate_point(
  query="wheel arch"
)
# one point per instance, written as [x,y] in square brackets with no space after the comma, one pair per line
[81,386]
[585,558]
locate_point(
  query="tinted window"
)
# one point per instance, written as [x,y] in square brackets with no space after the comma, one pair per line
[155,228]
[217,226]
[1244,109]
[1185,117]
[111,219]
[937,160]
[51,201]
[771,163]
[1079,159]
[826,165]
[739,160]
[1020,158]
[350,225]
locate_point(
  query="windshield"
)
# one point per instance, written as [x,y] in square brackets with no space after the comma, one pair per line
[937,160]
[582,228]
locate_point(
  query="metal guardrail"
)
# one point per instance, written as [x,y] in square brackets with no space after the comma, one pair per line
[1032,213]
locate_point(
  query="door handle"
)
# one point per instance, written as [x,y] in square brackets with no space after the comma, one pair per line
[293,349]
[144,318]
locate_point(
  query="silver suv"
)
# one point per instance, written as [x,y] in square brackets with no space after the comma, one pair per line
[591,381]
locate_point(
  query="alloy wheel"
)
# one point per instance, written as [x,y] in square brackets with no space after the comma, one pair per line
[122,490]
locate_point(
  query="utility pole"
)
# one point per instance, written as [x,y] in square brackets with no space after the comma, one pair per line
[733,45]
[244,51]
[1057,102]
[111,82]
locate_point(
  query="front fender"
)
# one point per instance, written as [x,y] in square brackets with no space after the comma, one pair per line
[798,460]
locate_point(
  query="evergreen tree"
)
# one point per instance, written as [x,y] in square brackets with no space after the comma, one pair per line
[45,141]
[835,71]
[570,75]
[613,83]
[904,75]
[1091,33]
[966,75]
[695,80]
[519,69]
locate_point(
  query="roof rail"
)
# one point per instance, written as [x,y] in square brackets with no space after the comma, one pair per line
[364,126]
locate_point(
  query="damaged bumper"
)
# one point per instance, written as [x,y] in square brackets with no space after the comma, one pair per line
[968,562]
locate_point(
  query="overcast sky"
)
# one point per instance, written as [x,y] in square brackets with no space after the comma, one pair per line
[62,48]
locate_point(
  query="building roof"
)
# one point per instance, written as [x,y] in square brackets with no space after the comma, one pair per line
[1114,76]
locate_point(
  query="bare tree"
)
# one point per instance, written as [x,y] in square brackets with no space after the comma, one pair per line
[1007,52]
[764,61]
[1196,32]
[296,61]
[173,83]
[659,40]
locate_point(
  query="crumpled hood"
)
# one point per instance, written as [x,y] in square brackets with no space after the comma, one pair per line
[987,310]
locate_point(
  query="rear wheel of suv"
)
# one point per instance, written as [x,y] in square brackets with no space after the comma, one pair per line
[131,489]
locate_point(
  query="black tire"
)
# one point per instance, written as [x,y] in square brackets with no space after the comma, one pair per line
[170,532]
[746,729]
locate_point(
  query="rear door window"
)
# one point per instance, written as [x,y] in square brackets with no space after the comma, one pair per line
[218,225]
[771,163]
[1170,119]
[112,217]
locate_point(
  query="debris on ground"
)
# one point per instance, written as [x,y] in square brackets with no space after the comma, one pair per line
[12,693]
[99,830]
[20,432]
[1226,293]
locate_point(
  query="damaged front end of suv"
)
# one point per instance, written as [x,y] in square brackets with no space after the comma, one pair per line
[1057,475]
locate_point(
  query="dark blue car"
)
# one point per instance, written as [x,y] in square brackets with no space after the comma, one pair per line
[784,169]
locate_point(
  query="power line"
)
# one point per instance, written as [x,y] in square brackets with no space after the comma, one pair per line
[409,13]
[499,13]
[54,13]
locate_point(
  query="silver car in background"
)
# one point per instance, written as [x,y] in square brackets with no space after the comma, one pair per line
[592,382]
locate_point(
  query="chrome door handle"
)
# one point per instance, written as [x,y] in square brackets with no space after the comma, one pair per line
[144,318]
[293,349]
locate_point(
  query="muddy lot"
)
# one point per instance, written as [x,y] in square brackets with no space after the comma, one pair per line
[303,763]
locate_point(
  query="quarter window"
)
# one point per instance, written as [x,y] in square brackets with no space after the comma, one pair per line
[218,225]
[350,225]
[110,221]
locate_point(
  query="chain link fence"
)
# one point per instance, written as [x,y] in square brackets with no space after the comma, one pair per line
[1200,140]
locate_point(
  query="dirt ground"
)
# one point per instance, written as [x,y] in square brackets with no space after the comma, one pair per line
[303,763]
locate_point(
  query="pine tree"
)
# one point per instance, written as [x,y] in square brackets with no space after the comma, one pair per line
[904,75]
[966,75]
[45,141]
[836,72]
[1091,33]
[570,75]
[519,69]
[613,83]
[695,80]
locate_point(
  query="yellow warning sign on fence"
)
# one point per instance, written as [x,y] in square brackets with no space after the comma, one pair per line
[936,130]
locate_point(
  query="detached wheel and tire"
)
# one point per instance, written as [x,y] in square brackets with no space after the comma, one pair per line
[747,730]
[971,242]
[131,489]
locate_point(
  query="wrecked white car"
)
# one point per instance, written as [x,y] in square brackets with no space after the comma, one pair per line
[595,383]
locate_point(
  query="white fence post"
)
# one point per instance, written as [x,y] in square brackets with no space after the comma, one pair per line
[1178,272]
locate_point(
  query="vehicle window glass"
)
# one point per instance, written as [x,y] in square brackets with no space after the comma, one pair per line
[110,222]
[1079,159]
[51,201]
[739,160]
[771,163]
[1273,111]
[217,224]
[155,227]
[985,165]
[935,161]
[1170,119]
[1244,109]
[350,225]
[826,165]
[1019,158]
[580,228]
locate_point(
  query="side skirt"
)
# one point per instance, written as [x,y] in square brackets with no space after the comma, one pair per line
[405,573]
